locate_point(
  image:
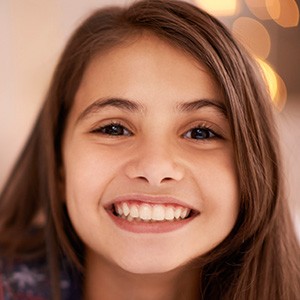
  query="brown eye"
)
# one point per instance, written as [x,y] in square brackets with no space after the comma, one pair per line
[113,130]
[200,133]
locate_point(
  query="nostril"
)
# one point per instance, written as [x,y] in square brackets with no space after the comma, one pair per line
[154,169]
[166,179]
[142,178]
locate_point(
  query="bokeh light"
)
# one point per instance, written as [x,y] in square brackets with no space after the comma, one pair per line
[253,35]
[276,85]
[219,7]
[273,8]
[270,77]
[284,12]
[258,8]
[281,95]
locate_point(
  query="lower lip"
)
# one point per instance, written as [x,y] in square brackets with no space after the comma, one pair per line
[149,227]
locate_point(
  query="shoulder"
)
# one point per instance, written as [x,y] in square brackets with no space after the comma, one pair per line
[30,281]
[24,280]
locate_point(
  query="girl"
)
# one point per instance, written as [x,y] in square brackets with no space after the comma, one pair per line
[153,170]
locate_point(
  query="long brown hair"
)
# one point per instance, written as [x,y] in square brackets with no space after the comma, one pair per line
[260,257]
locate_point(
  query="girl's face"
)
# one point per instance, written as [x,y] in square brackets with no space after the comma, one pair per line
[150,176]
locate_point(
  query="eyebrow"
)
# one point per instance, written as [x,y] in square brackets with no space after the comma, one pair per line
[132,106]
[200,103]
[123,104]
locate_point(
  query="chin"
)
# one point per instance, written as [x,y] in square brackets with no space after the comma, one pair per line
[147,265]
[143,269]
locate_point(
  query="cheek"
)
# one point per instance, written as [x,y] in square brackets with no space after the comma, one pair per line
[218,185]
[87,171]
[86,176]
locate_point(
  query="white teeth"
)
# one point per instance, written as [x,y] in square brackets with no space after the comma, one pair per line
[158,213]
[177,212]
[169,213]
[147,212]
[134,212]
[130,218]
[125,208]
[119,210]
[184,213]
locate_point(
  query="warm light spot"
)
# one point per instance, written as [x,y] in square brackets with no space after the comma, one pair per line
[277,87]
[258,8]
[253,35]
[281,95]
[289,14]
[219,7]
[274,8]
[270,76]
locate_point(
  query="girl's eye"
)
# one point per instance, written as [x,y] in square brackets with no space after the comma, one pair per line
[113,130]
[200,133]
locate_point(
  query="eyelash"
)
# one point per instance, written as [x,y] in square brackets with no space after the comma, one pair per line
[112,126]
[205,132]
[115,129]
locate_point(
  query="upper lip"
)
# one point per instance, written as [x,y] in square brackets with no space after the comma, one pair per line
[151,199]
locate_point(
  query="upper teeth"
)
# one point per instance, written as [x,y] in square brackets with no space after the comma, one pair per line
[147,212]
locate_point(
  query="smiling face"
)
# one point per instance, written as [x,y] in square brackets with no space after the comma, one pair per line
[148,158]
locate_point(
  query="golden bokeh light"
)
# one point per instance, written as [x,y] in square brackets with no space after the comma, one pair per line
[219,7]
[253,35]
[276,85]
[270,77]
[281,95]
[283,12]
[258,8]
[273,8]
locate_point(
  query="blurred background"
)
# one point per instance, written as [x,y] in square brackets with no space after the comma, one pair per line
[33,33]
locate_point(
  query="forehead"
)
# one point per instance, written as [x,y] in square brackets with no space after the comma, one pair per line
[147,69]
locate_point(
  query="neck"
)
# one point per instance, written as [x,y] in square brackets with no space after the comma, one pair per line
[106,281]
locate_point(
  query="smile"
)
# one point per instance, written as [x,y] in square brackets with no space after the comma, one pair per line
[150,215]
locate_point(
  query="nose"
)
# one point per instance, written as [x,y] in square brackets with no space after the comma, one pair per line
[155,164]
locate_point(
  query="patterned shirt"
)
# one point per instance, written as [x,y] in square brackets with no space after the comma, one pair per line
[30,281]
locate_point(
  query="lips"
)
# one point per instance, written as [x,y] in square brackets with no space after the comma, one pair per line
[150,214]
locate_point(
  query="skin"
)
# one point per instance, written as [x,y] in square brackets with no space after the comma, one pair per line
[156,154]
